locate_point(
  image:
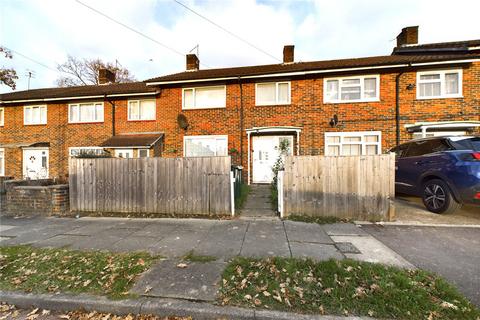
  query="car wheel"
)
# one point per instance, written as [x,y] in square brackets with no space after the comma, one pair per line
[438,198]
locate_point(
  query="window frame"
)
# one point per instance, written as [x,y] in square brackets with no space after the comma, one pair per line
[185,138]
[276,103]
[86,103]
[2,116]
[442,73]
[129,150]
[42,107]
[70,149]
[224,105]
[363,143]
[139,101]
[2,165]
[146,149]
[362,89]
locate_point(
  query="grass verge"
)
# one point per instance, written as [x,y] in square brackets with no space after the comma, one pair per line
[342,287]
[240,200]
[319,220]
[43,270]
[192,257]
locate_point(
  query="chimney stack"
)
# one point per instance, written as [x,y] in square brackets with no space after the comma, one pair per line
[288,53]
[105,76]
[409,35]
[193,64]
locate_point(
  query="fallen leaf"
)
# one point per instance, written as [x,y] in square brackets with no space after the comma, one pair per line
[247,297]
[182,265]
[148,289]
[45,312]
[32,312]
[266,293]
[257,302]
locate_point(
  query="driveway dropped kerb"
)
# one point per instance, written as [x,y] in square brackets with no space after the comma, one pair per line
[174,238]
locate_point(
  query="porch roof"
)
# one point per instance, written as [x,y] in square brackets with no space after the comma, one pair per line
[441,125]
[132,140]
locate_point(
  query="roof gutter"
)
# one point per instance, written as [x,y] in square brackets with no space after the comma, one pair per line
[81,97]
[300,73]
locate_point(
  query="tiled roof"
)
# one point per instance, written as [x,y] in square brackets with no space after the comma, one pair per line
[305,66]
[132,140]
[79,91]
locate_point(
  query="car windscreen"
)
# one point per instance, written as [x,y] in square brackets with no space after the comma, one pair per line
[472,143]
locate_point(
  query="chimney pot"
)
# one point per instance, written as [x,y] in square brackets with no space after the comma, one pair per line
[193,64]
[105,76]
[409,35]
[288,53]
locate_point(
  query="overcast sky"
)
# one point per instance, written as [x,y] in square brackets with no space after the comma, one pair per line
[47,31]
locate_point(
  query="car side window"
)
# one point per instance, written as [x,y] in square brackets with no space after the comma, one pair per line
[420,148]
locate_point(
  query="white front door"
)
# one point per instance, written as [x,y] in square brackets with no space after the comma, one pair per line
[35,163]
[264,154]
[124,153]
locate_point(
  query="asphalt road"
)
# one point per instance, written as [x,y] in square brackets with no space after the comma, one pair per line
[452,252]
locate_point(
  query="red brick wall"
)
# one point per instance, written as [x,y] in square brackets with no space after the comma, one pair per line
[307,110]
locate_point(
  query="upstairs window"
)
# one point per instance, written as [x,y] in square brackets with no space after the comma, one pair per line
[141,109]
[2,117]
[85,112]
[352,89]
[439,84]
[272,93]
[205,146]
[204,97]
[34,115]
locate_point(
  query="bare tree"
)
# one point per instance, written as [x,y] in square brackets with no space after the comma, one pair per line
[8,76]
[85,72]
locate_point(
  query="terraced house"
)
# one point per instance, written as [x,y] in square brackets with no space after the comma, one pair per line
[335,107]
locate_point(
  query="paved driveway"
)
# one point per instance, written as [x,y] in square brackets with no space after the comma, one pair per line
[453,252]
[411,210]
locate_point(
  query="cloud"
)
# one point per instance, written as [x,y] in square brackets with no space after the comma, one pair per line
[49,30]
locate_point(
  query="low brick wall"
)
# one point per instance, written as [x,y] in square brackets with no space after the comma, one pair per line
[36,197]
[3,194]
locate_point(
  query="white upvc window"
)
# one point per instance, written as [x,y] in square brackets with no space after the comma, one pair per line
[34,115]
[439,84]
[141,109]
[85,112]
[76,151]
[353,143]
[205,146]
[2,162]
[351,89]
[204,97]
[2,117]
[272,93]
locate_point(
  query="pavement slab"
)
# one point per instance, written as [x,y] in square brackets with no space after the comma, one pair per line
[306,232]
[60,241]
[105,242]
[372,250]
[156,230]
[134,243]
[224,240]
[265,238]
[315,251]
[178,243]
[197,281]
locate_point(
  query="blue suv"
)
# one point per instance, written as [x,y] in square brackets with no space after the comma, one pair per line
[444,171]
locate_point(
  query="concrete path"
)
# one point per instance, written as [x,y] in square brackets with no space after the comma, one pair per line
[452,252]
[174,238]
[258,203]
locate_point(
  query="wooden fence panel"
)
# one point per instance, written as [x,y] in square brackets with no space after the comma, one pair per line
[180,186]
[354,187]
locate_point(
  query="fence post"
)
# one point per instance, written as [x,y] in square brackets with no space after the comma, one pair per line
[232,192]
[280,192]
